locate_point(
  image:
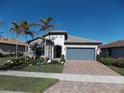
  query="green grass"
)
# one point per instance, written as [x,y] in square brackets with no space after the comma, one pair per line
[117,69]
[36,85]
[53,68]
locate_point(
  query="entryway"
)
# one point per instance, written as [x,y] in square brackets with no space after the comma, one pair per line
[57,51]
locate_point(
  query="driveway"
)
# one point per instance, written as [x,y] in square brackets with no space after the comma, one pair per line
[85,67]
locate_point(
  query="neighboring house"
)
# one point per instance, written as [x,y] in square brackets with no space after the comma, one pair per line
[114,49]
[60,43]
[8,46]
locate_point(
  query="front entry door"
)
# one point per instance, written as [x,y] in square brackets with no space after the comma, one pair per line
[57,51]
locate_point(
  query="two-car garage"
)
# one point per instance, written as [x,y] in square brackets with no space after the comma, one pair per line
[76,53]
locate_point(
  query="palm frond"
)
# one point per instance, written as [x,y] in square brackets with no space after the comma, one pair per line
[31,33]
[45,24]
[49,18]
[12,29]
[43,21]
[33,24]
[15,25]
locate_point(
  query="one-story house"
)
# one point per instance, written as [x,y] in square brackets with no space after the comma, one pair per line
[8,45]
[113,49]
[60,43]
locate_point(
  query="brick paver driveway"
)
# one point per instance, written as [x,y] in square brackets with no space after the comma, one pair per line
[94,68]
[87,67]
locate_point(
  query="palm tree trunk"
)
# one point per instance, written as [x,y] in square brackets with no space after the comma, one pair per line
[45,48]
[26,49]
[16,48]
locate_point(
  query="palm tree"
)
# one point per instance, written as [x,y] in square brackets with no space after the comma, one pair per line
[46,27]
[16,29]
[26,30]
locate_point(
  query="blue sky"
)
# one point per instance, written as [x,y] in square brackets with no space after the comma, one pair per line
[101,20]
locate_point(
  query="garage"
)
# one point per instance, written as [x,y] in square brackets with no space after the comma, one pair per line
[80,53]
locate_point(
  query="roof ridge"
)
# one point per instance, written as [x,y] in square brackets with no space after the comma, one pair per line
[58,31]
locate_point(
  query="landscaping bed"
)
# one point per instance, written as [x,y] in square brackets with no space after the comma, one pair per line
[4,59]
[23,84]
[116,64]
[38,65]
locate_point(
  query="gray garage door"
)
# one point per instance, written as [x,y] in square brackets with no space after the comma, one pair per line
[80,53]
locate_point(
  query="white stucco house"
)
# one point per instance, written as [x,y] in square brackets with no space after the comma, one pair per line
[60,43]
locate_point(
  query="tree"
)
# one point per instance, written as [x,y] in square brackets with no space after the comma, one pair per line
[26,30]
[16,29]
[46,27]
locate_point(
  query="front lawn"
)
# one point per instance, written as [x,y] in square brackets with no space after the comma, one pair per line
[53,68]
[117,69]
[37,85]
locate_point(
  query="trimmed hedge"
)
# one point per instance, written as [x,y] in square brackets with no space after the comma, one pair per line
[119,62]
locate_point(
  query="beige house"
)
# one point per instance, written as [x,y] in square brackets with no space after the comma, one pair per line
[8,46]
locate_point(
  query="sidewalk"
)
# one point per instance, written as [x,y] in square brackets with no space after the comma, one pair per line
[68,77]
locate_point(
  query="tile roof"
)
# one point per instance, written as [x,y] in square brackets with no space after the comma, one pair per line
[75,39]
[12,41]
[119,43]
[70,39]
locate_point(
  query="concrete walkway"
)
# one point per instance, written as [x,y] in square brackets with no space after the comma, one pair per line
[68,77]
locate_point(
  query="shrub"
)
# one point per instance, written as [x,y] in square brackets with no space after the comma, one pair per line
[106,61]
[17,64]
[55,62]
[62,60]
[40,61]
[1,55]
[119,62]
[13,63]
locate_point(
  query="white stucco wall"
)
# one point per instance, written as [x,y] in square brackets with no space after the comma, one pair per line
[58,40]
